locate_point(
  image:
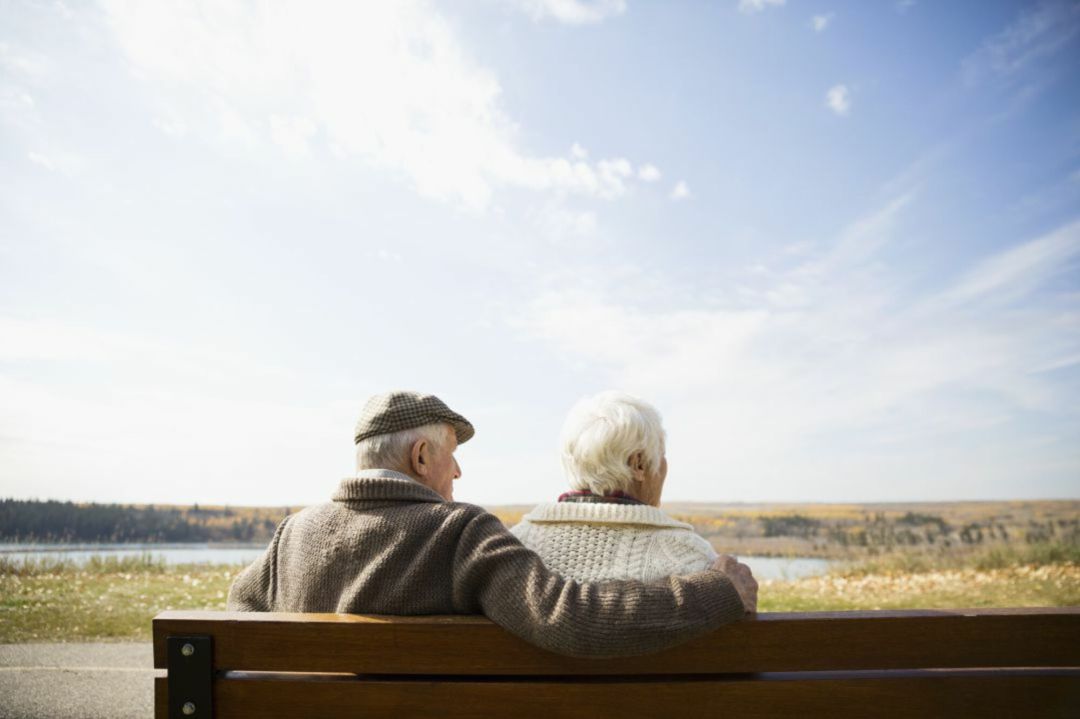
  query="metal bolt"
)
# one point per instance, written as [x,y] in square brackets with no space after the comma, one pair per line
[187,650]
[189,707]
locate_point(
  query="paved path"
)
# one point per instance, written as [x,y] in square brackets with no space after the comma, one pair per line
[76,680]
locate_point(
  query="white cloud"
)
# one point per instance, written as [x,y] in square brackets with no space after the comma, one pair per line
[827,370]
[26,65]
[123,447]
[24,340]
[107,439]
[752,6]
[681,191]
[235,130]
[902,6]
[573,12]
[821,22]
[838,99]
[293,134]
[171,126]
[648,173]
[384,83]
[564,226]
[389,256]
[64,163]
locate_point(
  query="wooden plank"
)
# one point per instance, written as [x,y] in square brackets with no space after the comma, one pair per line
[909,694]
[161,698]
[768,642]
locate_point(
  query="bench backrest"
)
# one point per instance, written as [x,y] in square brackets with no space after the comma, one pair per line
[979,663]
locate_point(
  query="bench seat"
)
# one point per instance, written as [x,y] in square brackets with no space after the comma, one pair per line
[951,663]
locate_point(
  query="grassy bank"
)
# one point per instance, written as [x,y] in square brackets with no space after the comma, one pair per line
[105,600]
[1020,586]
[1034,575]
[116,599]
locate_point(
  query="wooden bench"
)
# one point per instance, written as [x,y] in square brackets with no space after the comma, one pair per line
[978,663]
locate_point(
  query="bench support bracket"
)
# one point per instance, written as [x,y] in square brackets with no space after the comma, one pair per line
[190,676]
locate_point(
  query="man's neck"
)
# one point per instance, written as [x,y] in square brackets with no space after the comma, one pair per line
[392,473]
[383,472]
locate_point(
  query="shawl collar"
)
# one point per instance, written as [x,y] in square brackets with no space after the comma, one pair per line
[383,485]
[639,514]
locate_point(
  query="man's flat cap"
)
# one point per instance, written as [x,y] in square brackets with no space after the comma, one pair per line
[394,411]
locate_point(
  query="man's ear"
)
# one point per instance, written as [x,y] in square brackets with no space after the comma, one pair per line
[637,466]
[419,458]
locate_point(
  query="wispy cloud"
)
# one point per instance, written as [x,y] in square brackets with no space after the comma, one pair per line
[386,84]
[750,7]
[838,99]
[1038,33]
[827,369]
[821,22]
[573,12]
[902,6]
[680,191]
[1021,270]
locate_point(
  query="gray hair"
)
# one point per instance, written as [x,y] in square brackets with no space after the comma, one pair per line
[391,451]
[600,435]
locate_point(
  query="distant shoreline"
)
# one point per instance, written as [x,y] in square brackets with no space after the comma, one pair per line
[19,547]
[820,530]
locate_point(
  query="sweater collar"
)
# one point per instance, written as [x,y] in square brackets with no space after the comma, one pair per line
[584,496]
[639,514]
[383,485]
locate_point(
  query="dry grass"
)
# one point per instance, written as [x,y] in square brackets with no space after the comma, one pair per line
[107,600]
[1022,586]
[112,599]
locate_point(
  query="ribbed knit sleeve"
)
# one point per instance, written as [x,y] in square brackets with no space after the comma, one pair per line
[494,573]
[253,589]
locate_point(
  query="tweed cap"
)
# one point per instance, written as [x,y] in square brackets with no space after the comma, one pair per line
[398,410]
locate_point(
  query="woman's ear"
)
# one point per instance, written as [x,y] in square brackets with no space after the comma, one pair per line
[637,466]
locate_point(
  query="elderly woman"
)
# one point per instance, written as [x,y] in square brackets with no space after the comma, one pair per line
[609,526]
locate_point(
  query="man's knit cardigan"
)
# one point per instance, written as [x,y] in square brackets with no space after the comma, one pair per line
[389,545]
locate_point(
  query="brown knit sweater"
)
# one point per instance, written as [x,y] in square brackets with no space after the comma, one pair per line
[389,545]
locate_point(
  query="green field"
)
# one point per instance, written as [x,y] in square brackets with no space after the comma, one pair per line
[115,600]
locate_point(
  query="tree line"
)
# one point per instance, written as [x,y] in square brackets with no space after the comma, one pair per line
[54,521]
[911,529]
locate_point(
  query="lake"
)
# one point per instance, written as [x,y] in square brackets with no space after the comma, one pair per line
[763,567]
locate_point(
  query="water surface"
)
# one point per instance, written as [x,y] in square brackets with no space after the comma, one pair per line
[763,567]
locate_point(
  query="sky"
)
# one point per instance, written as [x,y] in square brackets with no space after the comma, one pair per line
[836,244]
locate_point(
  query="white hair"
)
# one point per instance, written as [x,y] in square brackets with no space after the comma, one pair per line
[600,435]
[391,451]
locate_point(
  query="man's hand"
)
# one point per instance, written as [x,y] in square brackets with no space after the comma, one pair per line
[740,576]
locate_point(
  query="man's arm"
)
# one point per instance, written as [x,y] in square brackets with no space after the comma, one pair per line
[514,589]
[253,589]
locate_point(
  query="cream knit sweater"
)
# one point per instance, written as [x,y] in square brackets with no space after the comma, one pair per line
[594,542]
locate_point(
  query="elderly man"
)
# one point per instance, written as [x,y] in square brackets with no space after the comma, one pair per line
[393,541]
